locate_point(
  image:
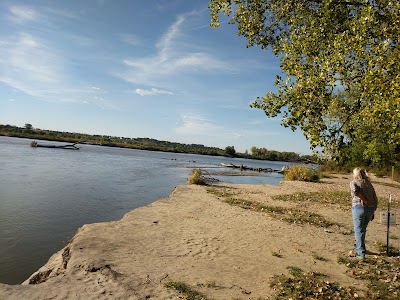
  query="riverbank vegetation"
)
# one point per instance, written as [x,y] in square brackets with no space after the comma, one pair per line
[146,144]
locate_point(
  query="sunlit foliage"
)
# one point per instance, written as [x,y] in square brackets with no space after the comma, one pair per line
[340,59]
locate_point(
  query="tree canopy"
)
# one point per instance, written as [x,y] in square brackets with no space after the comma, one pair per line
[340,59]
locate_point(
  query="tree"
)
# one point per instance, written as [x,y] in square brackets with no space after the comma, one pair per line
[28,126]
[230,150]
[340,61]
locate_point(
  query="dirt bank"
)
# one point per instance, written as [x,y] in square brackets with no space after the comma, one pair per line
[193,236]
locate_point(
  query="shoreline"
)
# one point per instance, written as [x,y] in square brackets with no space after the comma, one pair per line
[195,237]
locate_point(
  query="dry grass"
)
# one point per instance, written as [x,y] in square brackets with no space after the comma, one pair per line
[290,215]
[196,178]
[301,173]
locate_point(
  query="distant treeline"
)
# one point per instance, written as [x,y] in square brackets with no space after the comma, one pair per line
[141,143]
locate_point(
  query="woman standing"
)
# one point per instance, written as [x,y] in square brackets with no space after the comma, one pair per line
[364,204]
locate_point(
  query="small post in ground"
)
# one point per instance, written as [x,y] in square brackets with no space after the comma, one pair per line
[388,225]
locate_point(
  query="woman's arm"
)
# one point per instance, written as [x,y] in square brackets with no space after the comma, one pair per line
[364,200]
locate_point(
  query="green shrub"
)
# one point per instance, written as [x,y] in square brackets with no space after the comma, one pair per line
[196,178]
[301,173]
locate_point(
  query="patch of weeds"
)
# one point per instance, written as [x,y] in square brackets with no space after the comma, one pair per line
[187,292]
[295,271]
[290,215]
[247,204]
[301,173]
[196,178]
[382,247]
[277,254]
[318,257]
[345,260]
[380,273]
[293,215]
[341,198]
[219,192]
[394,237]
[310,285]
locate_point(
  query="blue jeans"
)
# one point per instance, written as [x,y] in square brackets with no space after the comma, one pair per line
[361,217]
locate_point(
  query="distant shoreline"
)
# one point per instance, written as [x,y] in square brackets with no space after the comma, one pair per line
[147,144]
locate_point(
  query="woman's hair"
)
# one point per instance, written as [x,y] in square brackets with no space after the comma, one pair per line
[360,174]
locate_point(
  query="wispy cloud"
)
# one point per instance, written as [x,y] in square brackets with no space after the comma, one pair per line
[21,14]
[193,124]
[26,58]
[172,59]
[30,65]
[151,92]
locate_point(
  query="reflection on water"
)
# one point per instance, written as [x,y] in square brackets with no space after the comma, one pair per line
[47,194]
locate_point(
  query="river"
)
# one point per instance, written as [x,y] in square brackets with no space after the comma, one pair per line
[47,194]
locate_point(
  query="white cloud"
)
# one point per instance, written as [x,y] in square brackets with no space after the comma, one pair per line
[170,61]
[197,125]
[165,43]
[21,14]
[95,88]
[151,92]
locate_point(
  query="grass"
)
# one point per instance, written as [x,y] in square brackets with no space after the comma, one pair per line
[339,198]
[382,247]
[301,173]
[318,257]
[196,178]
[290,215]
[295,271]
[219,192]
[380,273]
[188,293]
[311,285]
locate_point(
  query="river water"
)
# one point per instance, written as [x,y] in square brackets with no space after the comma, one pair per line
[47,194]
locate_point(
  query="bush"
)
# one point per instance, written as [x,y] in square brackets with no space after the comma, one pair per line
[196,178]
[301,173]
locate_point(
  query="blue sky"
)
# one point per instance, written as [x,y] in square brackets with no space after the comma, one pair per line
[135,68]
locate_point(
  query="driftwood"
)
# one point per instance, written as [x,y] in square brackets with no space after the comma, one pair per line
[243,167]
[70,146]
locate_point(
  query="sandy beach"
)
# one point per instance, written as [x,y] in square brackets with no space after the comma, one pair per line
[221,250]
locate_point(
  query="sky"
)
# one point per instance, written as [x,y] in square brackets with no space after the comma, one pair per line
[137,69]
